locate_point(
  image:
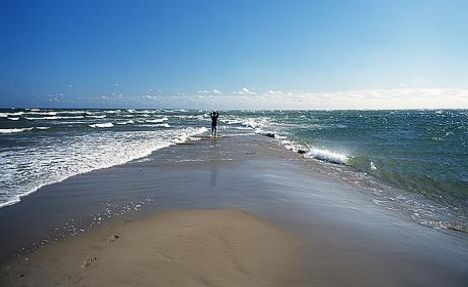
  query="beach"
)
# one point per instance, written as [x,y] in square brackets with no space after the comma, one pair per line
[239,210]
[234,143]
[224,247]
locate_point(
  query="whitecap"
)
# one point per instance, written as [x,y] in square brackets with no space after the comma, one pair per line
[125,123]
[4,115]
[103,125]
[328,156]
[157,120]
[84,153]
[54,118]
[165,125]
[13,119]
[42,113]
[17,130]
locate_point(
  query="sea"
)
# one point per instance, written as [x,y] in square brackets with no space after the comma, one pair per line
[410,161]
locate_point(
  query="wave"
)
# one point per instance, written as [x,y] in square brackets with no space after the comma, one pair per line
[82,154]
[13,119]
[4,115]
[103,125]
[113,111]
[54,118]
[157,120]
[125,123]
[328,156]
[96,116]
[232,122]
[312,153]
[164,125]
[42,113]
[17,130]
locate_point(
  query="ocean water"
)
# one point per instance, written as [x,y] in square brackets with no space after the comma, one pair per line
[415,162]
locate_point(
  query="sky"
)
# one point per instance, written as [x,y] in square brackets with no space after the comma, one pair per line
[357,54]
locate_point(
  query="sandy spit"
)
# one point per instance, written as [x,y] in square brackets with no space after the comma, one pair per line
[222,247]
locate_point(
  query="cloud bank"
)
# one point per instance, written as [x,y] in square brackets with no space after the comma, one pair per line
[253,99]
[247,98]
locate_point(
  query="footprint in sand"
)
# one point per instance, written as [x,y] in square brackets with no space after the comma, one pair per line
[88,261]
[113,238]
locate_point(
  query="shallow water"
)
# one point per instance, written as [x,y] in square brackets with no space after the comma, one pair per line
[411,160]
[346,236]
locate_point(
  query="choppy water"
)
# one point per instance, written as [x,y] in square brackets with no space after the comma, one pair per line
[415,161]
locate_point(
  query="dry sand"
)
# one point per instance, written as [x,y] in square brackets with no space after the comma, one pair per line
[219,247]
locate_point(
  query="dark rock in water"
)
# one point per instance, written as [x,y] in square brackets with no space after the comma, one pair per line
[270,135]
[301,151]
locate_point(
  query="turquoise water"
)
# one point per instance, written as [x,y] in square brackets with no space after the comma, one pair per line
[420,151]
[415,161]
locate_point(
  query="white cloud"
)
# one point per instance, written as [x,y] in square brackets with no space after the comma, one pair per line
[404,98]
[245,91]
[361,99]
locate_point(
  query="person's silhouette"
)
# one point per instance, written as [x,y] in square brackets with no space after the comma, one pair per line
[214,122]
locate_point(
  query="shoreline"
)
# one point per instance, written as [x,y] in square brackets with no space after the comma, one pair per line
[342,229]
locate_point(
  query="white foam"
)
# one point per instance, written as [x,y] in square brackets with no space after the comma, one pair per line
[326,155]
[42,113]
[232,122]
[164,125]
[13,119]
[96,116]
[59,158]
[253,123]
[103,125]
[54,118]
[157,120]
[17,130]
[4,115]
[125,123]
[113,111]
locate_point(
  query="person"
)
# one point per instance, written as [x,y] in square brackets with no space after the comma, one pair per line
[214,122]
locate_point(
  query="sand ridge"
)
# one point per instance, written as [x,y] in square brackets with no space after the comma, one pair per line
[217,247]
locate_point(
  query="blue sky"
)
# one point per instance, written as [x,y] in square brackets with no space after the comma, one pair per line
[238,54]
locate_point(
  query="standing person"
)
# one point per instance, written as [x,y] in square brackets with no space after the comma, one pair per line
[214,122]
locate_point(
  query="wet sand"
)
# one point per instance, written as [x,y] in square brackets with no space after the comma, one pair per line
[224,247]
[346,239]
